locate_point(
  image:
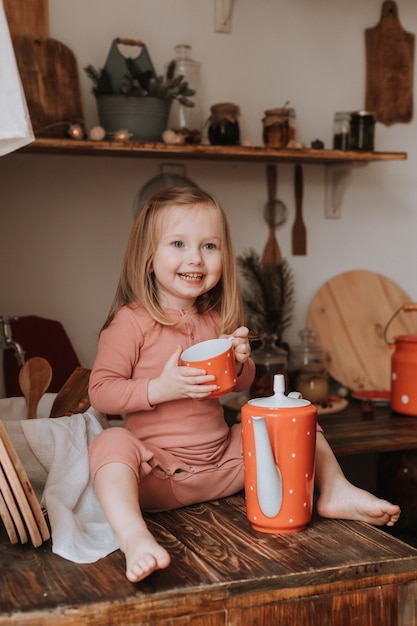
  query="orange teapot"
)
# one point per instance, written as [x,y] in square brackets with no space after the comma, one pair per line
[279,441]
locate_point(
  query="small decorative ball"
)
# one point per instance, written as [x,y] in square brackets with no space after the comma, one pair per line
[97,133]
[169,136]
[76,131]
[122,135]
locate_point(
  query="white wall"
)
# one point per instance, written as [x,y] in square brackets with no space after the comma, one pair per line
[65,219]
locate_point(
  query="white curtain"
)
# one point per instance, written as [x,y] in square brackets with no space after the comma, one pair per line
[15,125]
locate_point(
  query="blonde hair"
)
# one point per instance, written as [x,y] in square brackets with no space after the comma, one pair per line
[137,282]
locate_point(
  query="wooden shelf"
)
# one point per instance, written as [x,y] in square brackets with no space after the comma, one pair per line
[209,153]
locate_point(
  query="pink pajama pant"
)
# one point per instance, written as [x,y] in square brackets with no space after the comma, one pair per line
[165,481]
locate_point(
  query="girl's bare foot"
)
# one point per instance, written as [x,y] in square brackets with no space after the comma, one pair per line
[143,554]
[345,501]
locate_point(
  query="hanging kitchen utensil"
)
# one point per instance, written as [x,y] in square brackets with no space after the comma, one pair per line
[275,213]
[34,379]
[299,234]
[389,68]
[171,175]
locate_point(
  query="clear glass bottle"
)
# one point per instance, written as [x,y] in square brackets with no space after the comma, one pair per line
[308,370]
[187,120]
[269,360]
[341,130]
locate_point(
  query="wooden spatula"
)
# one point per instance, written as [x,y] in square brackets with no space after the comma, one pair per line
[299,234]
[34,379]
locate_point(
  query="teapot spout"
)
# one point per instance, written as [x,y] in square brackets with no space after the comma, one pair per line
[268,475]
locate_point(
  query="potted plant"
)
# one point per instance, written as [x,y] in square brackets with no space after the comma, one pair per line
[130,95]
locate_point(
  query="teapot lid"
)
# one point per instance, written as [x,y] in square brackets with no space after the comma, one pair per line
[279,399]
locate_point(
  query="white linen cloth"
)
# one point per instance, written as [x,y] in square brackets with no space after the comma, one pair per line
[15,125]
[54,453]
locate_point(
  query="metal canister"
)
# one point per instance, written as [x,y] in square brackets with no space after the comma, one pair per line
[362,131]
[403,367]
[404,375]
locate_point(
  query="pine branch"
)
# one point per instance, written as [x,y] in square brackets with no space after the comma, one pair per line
[269,294]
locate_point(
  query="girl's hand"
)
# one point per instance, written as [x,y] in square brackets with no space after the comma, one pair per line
[179,381]
[241,346]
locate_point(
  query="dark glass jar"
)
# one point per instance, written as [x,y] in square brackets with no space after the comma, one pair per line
[362,130]
[223,127]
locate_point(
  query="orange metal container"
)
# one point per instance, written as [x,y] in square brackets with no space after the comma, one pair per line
[404,375]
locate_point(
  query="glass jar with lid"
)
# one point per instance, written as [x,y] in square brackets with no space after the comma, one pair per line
[185,119]
[269,359]
[223,129]
[276,128]
[341,130]
[362,131]
[308,370]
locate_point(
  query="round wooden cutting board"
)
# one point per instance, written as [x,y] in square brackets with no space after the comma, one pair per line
[349,314]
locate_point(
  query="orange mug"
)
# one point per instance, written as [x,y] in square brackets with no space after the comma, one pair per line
[216,356]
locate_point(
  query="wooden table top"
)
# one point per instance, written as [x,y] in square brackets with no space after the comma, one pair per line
[218,563]
[353,431]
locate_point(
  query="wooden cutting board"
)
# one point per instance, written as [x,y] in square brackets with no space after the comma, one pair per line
[28,18]
[389,68]
[49,74]
[349,314]
[35,516]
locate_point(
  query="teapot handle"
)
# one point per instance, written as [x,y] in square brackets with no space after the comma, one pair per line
[407,307]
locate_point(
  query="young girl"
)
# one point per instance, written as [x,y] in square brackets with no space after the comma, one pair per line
[179,286]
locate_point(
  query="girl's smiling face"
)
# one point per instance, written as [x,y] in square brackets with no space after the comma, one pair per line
[188,258]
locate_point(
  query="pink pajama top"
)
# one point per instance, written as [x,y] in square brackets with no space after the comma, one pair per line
[133,350]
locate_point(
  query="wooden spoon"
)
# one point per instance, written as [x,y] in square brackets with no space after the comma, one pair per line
[34,379]
[73,396]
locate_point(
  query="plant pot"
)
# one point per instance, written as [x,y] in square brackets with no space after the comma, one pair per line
[146,117]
